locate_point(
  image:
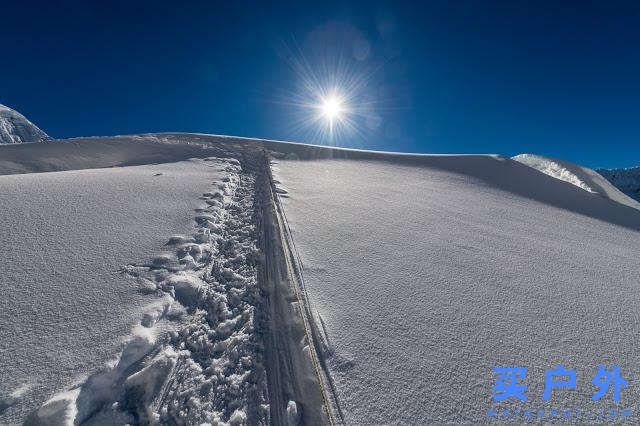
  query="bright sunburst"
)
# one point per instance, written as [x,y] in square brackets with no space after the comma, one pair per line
[332,107]
[330,103]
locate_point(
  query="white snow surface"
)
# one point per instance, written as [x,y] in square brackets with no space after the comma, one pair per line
[66,306]
[426,272]
[15,128]
[580,176]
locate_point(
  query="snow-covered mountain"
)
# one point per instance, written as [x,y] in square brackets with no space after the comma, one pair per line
[190,279]
[15,128]
[626,180]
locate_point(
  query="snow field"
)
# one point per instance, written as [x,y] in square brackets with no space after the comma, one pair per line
[425,278]
[64,238]
[422,274]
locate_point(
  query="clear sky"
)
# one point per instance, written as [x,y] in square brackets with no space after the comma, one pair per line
[555,78]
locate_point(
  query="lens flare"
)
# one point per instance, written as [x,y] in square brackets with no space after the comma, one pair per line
[330,101]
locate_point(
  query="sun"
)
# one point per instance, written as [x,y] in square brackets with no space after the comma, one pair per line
[332,107]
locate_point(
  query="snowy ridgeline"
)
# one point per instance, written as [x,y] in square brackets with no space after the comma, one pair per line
[609,184]
[627,180]
[15,128]
[422,274]
[554,168]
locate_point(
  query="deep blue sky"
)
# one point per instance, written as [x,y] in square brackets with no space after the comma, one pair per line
[556,78]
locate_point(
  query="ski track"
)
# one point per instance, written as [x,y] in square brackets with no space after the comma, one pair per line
[295,382]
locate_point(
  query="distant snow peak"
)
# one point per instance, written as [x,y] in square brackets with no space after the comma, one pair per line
[15,128]
[626,180]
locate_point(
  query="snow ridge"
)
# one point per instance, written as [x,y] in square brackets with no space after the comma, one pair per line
[617,187]
[15,128]
[553,169]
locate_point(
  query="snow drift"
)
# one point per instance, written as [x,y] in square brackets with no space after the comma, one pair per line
[15,128]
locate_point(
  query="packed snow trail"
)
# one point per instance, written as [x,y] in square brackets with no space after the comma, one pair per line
[288,282]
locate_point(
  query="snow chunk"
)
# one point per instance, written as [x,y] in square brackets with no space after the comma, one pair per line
[239,417]
[293,417]
[186,287]
[59,410]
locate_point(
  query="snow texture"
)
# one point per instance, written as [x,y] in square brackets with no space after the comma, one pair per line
[69,305]
[426,272]
[132,294]
[626,180]
[15,128]
[218,376]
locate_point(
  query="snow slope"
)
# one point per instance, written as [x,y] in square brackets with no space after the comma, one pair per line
[165,297]
[580,176]
[87,153]
[214,340]
[626,180]
[15,128]
[65,237]
[426,272]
